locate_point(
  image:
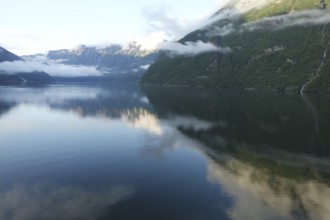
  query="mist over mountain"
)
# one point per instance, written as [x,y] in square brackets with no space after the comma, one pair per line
[249,44]
[22,76]
[112,63]
[120,62]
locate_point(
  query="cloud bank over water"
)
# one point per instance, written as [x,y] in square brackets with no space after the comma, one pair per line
[51,67]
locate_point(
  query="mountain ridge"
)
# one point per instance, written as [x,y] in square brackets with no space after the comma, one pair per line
[279,53]
[113,58]
[6,55]
[20,77]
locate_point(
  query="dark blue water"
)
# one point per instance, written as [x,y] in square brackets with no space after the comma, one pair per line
[124,152]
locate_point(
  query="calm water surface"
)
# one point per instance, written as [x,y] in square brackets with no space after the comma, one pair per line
[123,152]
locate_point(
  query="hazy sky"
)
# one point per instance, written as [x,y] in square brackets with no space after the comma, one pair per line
[34,26]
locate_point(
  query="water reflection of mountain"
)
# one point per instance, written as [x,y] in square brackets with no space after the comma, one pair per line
[271,131]
[109,101]
[267,151]
[259,121]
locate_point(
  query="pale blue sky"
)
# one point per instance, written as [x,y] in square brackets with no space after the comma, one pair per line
[33,26]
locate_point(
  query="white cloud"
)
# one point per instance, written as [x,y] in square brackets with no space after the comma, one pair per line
[252,189]
[246,5]
[221,3]
[145,67]
[171,27]
[142,119]
[161,19]
[59,202]
[222,31]
[151,41]
[192,48]
[51,67]
[164,24]
[304,18]
[167,26]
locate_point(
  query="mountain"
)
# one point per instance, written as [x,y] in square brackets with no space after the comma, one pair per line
[20,77]
[276,44]
[23,78]
[125,62]
[5,55]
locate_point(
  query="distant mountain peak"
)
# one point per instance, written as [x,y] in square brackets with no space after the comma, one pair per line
[13,78]
[112,59]
[6,55]
[135,49]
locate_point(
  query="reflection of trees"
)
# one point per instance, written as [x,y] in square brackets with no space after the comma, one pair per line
[262,148]
[257,120]
[263,129]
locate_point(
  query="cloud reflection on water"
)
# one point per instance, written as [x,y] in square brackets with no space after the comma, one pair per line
[246,152]
[256,192]
[259,195]
[42,201]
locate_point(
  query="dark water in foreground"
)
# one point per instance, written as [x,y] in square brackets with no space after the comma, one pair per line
[107,152]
